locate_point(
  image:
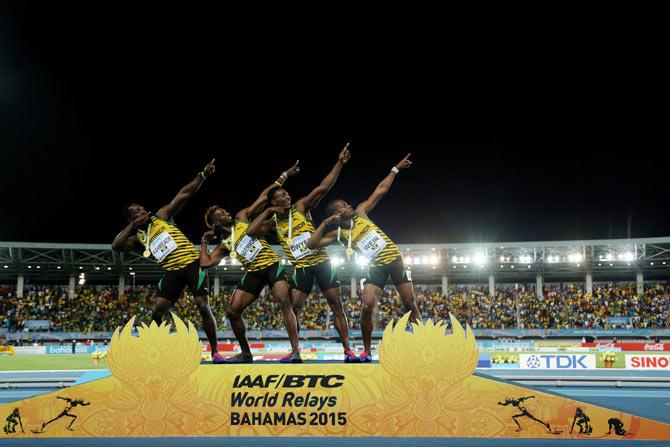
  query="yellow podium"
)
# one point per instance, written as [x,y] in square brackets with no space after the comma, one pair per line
[423,387]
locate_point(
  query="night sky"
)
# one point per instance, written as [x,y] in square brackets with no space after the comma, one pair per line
[100,107]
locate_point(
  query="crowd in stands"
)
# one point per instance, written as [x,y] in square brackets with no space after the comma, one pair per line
[99,308]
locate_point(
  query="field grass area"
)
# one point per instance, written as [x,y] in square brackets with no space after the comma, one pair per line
[40,362]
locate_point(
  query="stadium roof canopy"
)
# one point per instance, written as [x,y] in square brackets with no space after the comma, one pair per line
[615,259]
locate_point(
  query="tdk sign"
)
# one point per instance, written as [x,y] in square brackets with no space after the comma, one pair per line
[557,361]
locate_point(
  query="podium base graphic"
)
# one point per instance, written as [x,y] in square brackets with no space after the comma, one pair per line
[423,387]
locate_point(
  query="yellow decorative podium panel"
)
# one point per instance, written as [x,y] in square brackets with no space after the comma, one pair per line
[423,387]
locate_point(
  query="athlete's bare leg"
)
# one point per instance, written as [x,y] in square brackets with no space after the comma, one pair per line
[298,299]
[370,298]
[406,292]
[161,306]
[281,290]
[335,302]
[208,321]
[238,303]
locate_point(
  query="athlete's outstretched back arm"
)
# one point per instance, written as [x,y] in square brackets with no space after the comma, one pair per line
[319,237]
[126,240]
[256,226]
[312,199]
[185,193]
[208,259]
[380,191]
[262,199]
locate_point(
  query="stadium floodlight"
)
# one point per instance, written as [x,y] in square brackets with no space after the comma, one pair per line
[108,268]
[651,263]
[502,259]
[524,259]
[407,260]
[6,266]
[628,256]
[337,261]
[361,261]
[97,268]
[575,257]
[129,268]
[454,259]
[225,268]
[480,259]
[467,259]
[82,268]
[424,260]
[609,257]
[30,266]
[434,260]
[529,266]
[132,273]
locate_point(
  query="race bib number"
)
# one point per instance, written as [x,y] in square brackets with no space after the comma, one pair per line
[162,246]
[248,248]
[299,246]
[372,244]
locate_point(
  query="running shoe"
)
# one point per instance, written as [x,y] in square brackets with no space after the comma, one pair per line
[365,357]
[351,357]
[218,358]
[293,357]
[242,357]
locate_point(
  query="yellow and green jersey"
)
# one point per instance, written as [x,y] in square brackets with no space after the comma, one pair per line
[302,228]
[371,241]
[254,253]
[167,244]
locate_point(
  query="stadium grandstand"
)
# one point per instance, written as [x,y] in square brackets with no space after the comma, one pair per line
[597,288]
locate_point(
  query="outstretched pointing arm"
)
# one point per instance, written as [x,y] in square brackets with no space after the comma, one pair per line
[185,193]
[382,188]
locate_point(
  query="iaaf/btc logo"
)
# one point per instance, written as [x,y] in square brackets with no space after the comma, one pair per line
[557,361]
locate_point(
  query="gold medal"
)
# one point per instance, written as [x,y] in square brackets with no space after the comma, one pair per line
[349,251]
[144,237]
[233,253]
